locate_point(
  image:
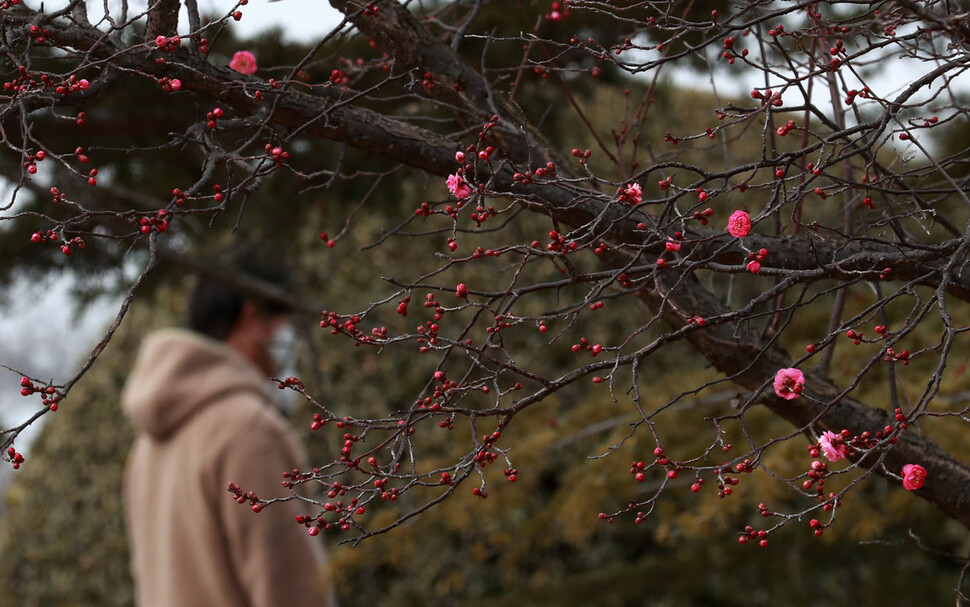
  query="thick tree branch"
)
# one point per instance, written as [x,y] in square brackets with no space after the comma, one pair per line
[751,361]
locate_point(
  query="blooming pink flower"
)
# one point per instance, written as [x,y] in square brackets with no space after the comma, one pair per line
[458,187]
[632,194]
[243,62]
[832,447]
[739,224]
[789,382]
[914,476]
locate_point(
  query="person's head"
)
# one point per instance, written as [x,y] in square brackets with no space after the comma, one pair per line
[256,325]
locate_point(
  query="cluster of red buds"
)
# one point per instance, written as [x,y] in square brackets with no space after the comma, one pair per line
[756,259]
[170,85]
[31,163]
[168,44]
[179,196]
[549,169]
[38,237]
[767,97]
[15,458]
[729,53]
[73,84]
[558,11]
[68,250]
[865,93]
[593,349]
[40,34]
[243,497]
[214,116]
[159,223]
[702,216]
[290,382]
[338,77]
[583,155]
[787,128]
[49,395]
[559,244]
[277,154]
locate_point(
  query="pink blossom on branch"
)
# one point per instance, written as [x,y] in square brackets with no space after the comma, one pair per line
[789,383]
[632,194]
[243,62]
[458,187]
[914,476]
[832,446]
[739,224]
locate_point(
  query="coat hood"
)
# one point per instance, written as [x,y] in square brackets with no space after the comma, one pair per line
[177,373]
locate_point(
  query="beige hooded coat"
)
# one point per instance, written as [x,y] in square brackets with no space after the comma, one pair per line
[204,419]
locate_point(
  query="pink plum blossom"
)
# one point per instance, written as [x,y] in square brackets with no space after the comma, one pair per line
[243,62]
[632,194]
[914,476]
[832,447]
[789,382]
[739,224]
[458,187]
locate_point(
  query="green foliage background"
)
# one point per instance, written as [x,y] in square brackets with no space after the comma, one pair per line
[534,542]
[62,535]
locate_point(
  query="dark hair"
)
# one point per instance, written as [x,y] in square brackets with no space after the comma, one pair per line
[217,298]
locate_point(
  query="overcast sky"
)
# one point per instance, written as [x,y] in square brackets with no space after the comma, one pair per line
[300,19]
[42,334]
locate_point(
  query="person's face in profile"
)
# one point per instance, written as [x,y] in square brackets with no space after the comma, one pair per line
[266,338]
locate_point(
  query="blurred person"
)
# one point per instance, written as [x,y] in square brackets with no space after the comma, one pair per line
[201,404]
